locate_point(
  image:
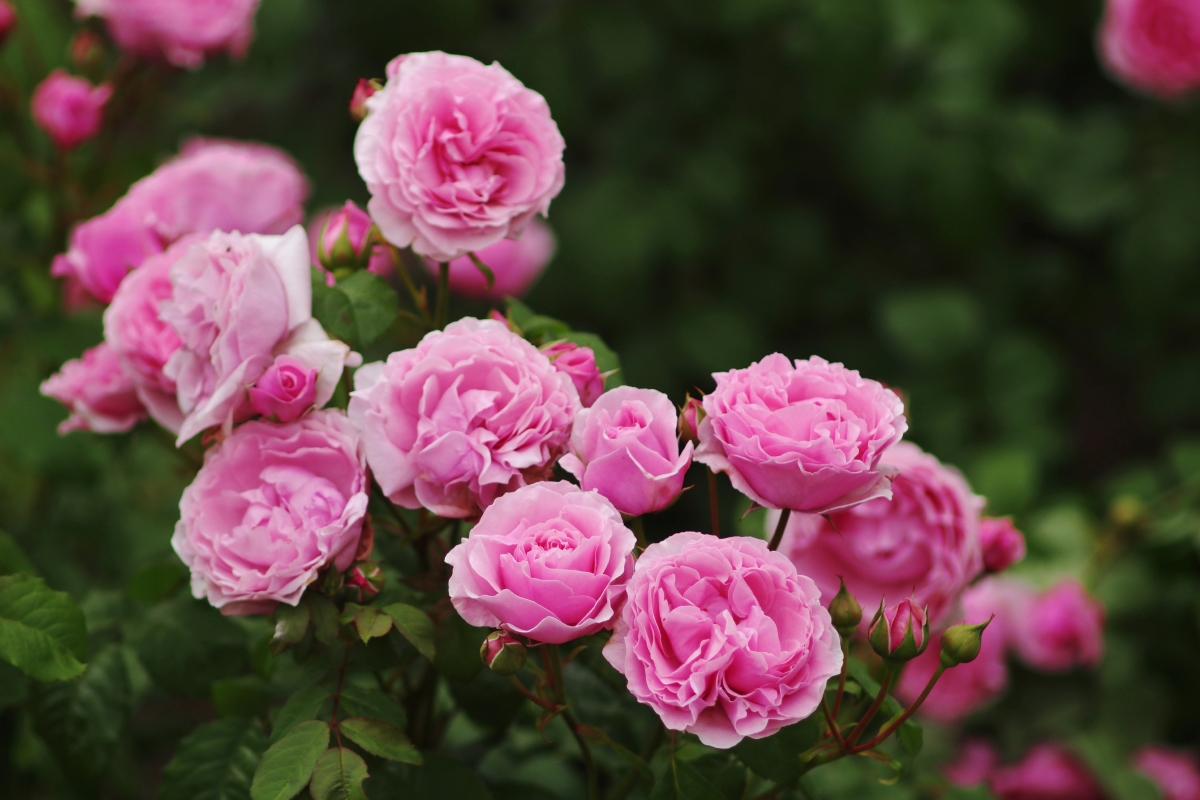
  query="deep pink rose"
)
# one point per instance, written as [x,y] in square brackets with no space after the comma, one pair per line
[516,263]
[456,155]
[285,391]
[976,760]
[1047,772]
[923,542]
[70,110]
[181,32]
[470,413]
[723,639]
[1003,545]
[1174,772]
[806,437]
[272,506]
[1153,45]
[548,561]
[625,448]
[1059,629]
[579,364]
[98,392]
[8,20]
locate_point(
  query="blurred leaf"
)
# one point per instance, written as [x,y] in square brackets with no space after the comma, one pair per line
[42,632]
[339,775]
[441,778]
[676,779]
[215,762]
[357,310]
[415,625]
[157,582]
[932,325]
[381,739]
[776,757]
[186,644]
[324,617]
[247,697]
[291,623]
[12,560]
[288,764]
[457,644]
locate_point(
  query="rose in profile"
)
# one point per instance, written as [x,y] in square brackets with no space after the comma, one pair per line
[515,263]
[723,639]
[1153,45]
[97,390]
[180,32]
[1059,629]
[457,155]
[70,110]
[548,561]
[1174,772]
[272,507]
[1047,772]
[806,436]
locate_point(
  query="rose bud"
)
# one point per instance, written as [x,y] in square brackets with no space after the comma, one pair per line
[579,364]
[70,110]
[503,654]
[899,632]
[358,101]
[285,391]
[8,20]
[363,581]
[1002,544]
[961,643]
[87,50]
[346,241]
[690,417]
[845,611]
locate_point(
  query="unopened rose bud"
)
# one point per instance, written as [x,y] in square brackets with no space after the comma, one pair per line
[70,110]
[358,101]
[87,51]
[363,581]
[690,417]
[8,20]
[579,364]
[1003,545]
[503,654]
[845,611]
[899,632]
[346,239]
[960,643]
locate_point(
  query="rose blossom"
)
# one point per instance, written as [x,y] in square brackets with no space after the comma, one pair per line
[470,413]
[285,391]
[977,758]
[806,437]
[457,155]
[579,364]
[1047,772]
[182,32]
[723,639]
[1153,45]
[625,448]
[1002,544]
[69,109]
[98,392]
[923,542]
[548,561]
[516,264]
[1059,629]
[1174,772]
[272,506]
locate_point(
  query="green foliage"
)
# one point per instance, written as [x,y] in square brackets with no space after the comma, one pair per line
[42,632]
[186,644]
[215,762]
[288,764]
[339,775]
[415,625]
[380,738]
[357,309]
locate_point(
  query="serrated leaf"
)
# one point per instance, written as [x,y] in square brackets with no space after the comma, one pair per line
[42,632]
[186,645]
[415,626]
[358,701]
[357,310]
[300,707]
[288,764]
[381,739]
[291,623]
[370,622]
[339,775]
[215,762]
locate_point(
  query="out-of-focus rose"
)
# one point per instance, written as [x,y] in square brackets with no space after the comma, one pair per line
[470,413]
[1153,45]
[808,437]
[358,101]
[8,20]
[579,364]
[723,639]
[1047,772]
[285,391]
[272,506]
[923,542]
[181,32]
[515,263]
[87,50]
[900,632]
[548,561]
[977,758]
[1003,545]
[1174,772]
[457,155]
[70,110]
[344,239]
[1059,629]
[625,448]
[97,391]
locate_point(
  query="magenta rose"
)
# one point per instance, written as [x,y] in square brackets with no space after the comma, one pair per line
[272,507]
[99,393]
[285,391]
[723,639]
[923,542]
[470,413]
[1153,45]
[1174,772]
[70,110]
[1059,629]
[977,759]
[579,364]
[807,436]
[180,32]
[548,561]
[515,263]
[1002,544]
[457,155]
[8,20]
[625,448]
[1047,772]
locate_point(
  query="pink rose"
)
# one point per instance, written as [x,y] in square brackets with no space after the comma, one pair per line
[97,391]
[69,109]
[579,364]
[548,561]
[1153,45]
[516,264]
[470,413]
[285,391]
[923,542]
[723,639]
[977,759]
[625,448]
[1047,772]
[181,32]
[103,251]
[456,155]
[1174,772]
[8,20]
[806,437]
[1059,629]
[1003,545]
[271,508]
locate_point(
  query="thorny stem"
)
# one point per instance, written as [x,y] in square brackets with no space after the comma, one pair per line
[861,726]
[898,721]
[780,527]
[530,696]
[714,504]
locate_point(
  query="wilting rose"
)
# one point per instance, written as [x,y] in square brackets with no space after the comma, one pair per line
[1002,544]
[1153,45]
[515,263]
[99,393]
[70,110]
[1059,629]
[1047,772]
[1174,772]
[285,391]
[181,32]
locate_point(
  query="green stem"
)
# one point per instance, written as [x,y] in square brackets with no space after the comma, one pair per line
[834,730]
[861,726]
[841,690]
[714,504]
[898,721]
[443,297]
[780,527]
[635,524]
[418,299]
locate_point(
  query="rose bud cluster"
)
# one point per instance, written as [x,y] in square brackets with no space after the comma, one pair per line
[70,110]
[8,20]
[515,263]
[899,633]
[1153,45]
[180,32]
[579,364]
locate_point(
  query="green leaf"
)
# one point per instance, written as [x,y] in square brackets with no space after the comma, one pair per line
[359,701]
[326,626]
[186,644]
[775,757]
[370,622]
[381,739]
[245,696]
[288,764]
[415,625]
[357,310]
[339,776]
[291,623]
[157,582]
[300,707]
[678,780]
[442,778]
[12,558]
[42,632]
[457,645]
[215,762]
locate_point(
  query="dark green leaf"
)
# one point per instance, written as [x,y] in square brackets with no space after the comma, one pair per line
[215,762]
[288,764]
[631,758]
[12,559]
[186,644]
[300,707]
[381,739]
[326,626]
[357,310]
[246,696]
[42,632]
[358,701]
[415,625]
[678,780]
[291,623]
[339,775]
[441,778]
[457,645]
[775,757]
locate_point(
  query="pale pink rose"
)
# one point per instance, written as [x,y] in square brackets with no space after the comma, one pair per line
[977,758]
[548,561]
[1003,545]
[578,363]
[457,155]
[1174,772]
[723,639]
[1047,772]
[808,437]
[516,264]
[470,413]
[625,448]
[8,20]
[70,110]
[181,32]
[214,185]
[923,542]
[1153,45]
[1059,629]
[285,391]
[271,508]
[97,391]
